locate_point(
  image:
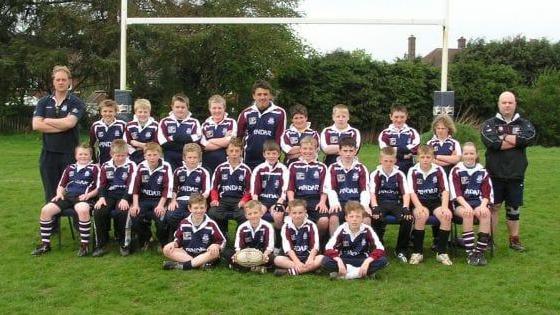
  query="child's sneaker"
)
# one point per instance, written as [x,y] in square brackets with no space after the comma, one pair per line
[401,257]
[84,250]
[444,259]
[124,250]
[170,265]
[279,272]
[259,269]
[98,252]
[415,259]
[515,244]
[482,259]
[334,275]
[41,249]
[476,259]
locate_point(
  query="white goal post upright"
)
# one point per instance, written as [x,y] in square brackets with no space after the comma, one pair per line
[125,21]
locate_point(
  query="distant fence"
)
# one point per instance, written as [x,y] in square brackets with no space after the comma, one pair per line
[12,124]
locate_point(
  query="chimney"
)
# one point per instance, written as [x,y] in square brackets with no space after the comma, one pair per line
[411,48]
[461,42]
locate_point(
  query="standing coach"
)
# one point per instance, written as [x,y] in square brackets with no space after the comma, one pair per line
[506,137]
[56,116]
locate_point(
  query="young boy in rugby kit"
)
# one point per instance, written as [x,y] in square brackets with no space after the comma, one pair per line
[430,196]
[269,184]
[299,129]
[331,136]
[307,177]
[77,187]
[471,190]
[187,179]
[347,179]
[300,242]
[447,151]
[253,233]
[178,129]
[150,188]
[115,177]
[198,240]
[217,131]
[390,196]
[105,130]
[261,121]
[402,137]
[231,185]
[141,130]
[354,250]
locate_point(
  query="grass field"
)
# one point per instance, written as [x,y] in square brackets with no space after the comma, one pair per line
[60,282]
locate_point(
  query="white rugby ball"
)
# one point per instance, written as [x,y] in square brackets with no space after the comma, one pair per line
[249,257]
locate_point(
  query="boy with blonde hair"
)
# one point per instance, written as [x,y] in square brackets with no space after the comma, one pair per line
[141,130]
[331,136]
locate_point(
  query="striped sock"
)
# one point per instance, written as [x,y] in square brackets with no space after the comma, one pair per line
[293,272]
[46,230]
[84,227]
[468,238]
[482,242]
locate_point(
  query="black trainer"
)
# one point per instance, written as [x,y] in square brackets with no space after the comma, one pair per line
[98,252]
[84,251]
[41,249]
[125,251]
[170,265]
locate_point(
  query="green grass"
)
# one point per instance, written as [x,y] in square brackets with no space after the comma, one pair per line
[61,282]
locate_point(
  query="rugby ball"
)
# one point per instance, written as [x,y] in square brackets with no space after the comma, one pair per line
[249,257]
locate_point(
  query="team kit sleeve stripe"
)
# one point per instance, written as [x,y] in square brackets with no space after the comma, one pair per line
[287,245]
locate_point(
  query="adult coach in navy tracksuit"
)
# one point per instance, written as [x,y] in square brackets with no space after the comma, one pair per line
[260,122]
[506,137]
[57,116]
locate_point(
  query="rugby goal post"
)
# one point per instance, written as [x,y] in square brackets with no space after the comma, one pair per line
[443,22]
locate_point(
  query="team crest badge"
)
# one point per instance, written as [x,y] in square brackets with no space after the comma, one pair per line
[479,179]
[224,176]
[148,135]
[271,121]
[345,243]
[172,129]
[276,183]
[392,142]
[71,173]
[304,236]
[224,130]
[159,179]
[182,178]
[515,130]
[205,238]
[110,174]
[145,178]
[86,173]
[209,133]
[334,139]
[124,176]
[419,181]
[363,242]
[252,120]
[197,179]
[135,135]
[263,184]
[316,174]
[340,177]
[355,176]
[117,133]
[100,134]
[434,179]
[187,236]
[75,111]
[189,130]
[64,108]
[241,177]
[300,176]
[464,180]
[500,129]
[294,140]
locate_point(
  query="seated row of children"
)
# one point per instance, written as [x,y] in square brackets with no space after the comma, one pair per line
[152,191]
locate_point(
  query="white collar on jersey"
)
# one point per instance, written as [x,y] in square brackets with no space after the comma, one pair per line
[288,221]
[355,161]
[382,172]
[201,225]
[346,227]
[112,163]
[461,166]
[307,128]
[348,127]
[189,170]
[79,167]
[211,121]
[404,128]
[148,122]
[271,107]
[432,169]
[172,116]
[514,118]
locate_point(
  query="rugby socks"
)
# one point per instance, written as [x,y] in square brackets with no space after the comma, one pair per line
[418,240]
[468,239]
[46,230]
[293,272]
[187,265]
[443,237]
[84,227]
[482,242]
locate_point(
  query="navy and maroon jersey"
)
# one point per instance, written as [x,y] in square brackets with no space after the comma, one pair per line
[345,244]
[195,240]
[152,184]
[231,182]
[404,140]
[187,181]
[103,135]
[173,133]
[215,130]
[473,184]
[307,179]
[299,239]
[255,127]
[428,186]
[115,180]
[332,136]
[388,187]
[270,182]
[291,138]
[343,185]
[261,238]
[445,147]
[141,133]
[79,179]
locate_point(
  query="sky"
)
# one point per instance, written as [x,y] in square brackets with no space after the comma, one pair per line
[488,19]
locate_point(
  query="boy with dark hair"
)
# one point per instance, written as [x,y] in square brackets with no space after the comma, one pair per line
[231,185]
[354,250]
[390,195]
[141,130]
[300,242]
[198,240]
[269,184]
[151,186]
[430,196]
[115,177]
[331,136]
[105,130]
[76,188]
[400,136]
[299,129]
[261,121]
[178,129]
[347,179]
[253,233]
